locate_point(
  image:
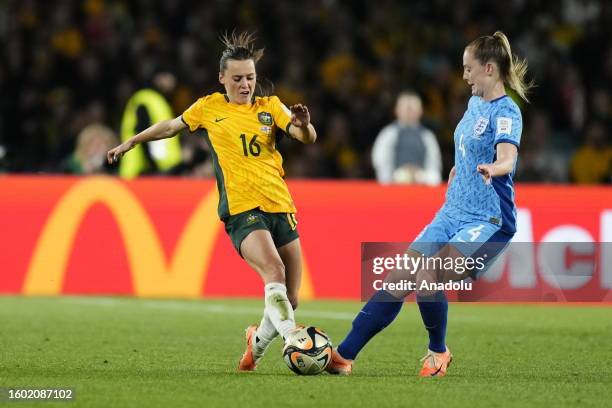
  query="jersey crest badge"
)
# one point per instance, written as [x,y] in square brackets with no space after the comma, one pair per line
[480,126]
[265,118]
[504,125]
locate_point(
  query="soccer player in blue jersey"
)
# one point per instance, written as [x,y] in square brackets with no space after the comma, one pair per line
[479,207]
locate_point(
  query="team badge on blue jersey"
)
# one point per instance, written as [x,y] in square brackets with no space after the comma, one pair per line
[265,118]
[504,125]
[480,126]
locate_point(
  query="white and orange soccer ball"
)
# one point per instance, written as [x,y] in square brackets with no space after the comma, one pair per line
[307,351]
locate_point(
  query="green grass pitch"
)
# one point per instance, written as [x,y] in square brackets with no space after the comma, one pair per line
[120,352]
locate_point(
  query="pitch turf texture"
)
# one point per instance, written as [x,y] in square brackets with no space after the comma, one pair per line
[155,353]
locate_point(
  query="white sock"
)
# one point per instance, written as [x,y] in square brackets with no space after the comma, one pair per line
[266,332]
[279,309]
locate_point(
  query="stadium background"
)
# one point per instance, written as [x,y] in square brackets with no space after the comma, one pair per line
[68,64]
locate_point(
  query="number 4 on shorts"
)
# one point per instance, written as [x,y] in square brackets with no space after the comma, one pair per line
[474,233]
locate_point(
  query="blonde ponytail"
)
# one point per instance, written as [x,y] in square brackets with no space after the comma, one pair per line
[512,69]
[517,69]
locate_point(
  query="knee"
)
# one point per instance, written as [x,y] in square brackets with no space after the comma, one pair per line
[274,271]
[431,297]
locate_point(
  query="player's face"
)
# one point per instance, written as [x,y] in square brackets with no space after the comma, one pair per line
[474,73]
[239,79]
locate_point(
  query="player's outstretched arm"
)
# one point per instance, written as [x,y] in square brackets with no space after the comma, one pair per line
[301,128]
[506,157]
[161,130]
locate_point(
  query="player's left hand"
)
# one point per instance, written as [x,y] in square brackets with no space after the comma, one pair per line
[486,171]
[300,117]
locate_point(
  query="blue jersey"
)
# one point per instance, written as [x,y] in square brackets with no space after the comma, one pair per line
[483,126]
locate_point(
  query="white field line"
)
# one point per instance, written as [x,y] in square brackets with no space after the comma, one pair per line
[200,307]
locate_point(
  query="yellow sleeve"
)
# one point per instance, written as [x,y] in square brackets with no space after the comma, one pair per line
[281,114]
[194,115]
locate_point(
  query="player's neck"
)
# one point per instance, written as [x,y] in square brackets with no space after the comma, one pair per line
[238,104]
[497,91]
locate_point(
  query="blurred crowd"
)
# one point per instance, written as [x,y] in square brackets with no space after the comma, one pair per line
[68,68]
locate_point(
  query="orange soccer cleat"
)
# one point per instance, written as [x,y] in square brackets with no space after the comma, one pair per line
[339,365]
[436,364]
[248,362]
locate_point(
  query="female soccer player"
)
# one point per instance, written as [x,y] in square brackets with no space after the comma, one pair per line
[479,207]
[254,202]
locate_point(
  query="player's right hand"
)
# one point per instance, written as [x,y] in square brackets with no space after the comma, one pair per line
[487,171]
[115,153]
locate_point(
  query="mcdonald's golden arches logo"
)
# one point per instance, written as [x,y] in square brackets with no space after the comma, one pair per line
[154,275]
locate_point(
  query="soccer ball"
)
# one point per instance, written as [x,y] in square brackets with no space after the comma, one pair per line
[307,351]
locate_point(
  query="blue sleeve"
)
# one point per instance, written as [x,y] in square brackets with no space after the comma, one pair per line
[508,125]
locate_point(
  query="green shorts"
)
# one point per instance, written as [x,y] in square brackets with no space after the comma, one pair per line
[282,226]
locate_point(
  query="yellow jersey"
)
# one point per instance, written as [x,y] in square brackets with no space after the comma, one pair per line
[242,140]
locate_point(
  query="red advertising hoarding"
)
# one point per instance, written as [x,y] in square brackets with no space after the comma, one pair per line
[161,237]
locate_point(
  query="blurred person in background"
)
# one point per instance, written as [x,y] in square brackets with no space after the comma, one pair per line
[405,151]
[145,108]
[196,160]
[89,156]
[592,162]
[541,158]
[339,149]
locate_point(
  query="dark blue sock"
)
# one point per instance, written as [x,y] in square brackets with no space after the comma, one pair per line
[378,313]
[434,311]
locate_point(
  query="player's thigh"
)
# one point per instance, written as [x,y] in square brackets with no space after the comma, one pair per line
[251,236]
[258,249]
[434,236]
[291,254]
[429,242]
[283,227]
[240,225]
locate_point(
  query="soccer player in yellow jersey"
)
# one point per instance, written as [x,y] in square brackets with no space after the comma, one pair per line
[254,202]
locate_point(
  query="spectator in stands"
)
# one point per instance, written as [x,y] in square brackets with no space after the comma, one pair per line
[405,151]
[89,156]
[64,62]
[146,107]
[592,162]
[541,159]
